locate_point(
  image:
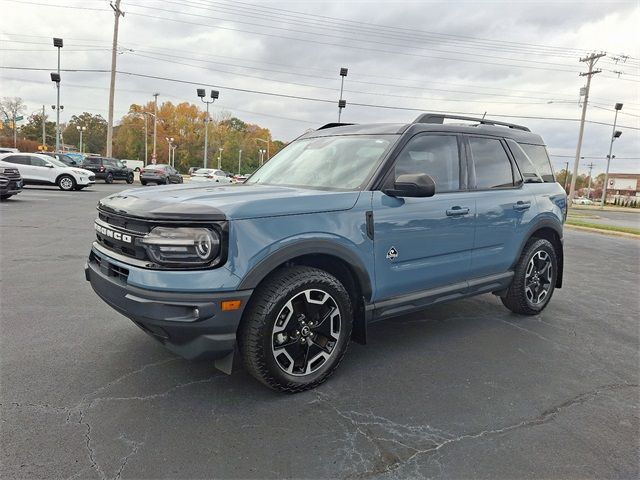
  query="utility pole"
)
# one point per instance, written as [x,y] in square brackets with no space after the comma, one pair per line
[566,176]
[589,186]
[155,126]
[591,60]
[112,85]
[614,134]
[44,133]
[239,161]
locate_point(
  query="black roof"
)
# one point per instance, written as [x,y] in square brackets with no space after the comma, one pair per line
[432,123]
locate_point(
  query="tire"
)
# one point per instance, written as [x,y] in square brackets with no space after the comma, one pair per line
[144,184]
[5,197]
[130,179]
[534,279]
[66,183]
[167,181]
[290,292]
[137,169]
[109,178]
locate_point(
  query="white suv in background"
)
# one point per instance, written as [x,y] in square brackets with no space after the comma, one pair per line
[210,175]
[37,169]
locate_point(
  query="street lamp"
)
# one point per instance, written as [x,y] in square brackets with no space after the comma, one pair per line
[342,103]
[220,158]
[57,42]
[81,129]
[614,135]
[202,94]
[239,161]
[262,152]
[264,141]
[170,142]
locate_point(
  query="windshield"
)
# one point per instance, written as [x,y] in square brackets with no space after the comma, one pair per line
[56,162]
[341,162]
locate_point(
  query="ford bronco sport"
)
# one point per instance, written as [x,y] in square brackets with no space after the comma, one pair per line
[346,225]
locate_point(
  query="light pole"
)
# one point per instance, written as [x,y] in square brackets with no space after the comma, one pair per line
[239,161]
[173,155]
[155,127]
[220,158]
[57,42]
[614,135]
[262,151]
[202,94]
[267,142]
[81,129]
[342,103]
[170,142]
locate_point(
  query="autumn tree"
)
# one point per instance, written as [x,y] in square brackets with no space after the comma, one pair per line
[95,135]
[10,108]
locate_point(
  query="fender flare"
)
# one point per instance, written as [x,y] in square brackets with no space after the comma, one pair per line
[308,247]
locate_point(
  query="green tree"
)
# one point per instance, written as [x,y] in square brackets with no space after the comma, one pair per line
[95,135]
[32,130]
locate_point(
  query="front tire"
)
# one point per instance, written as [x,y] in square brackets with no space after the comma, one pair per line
[534,278]
[66,183]
[130,179]
[296,329]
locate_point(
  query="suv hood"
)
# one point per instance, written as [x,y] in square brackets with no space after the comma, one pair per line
[220,202]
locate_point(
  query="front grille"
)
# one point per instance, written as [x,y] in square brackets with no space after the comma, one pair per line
[11,173]
[121,274]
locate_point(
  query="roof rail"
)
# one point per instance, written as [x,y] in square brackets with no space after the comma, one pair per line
[440,117]
[332,125]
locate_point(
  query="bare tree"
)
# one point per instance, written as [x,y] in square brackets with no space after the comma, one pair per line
[10,108]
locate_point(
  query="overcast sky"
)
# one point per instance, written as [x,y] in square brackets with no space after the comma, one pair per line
[501,57]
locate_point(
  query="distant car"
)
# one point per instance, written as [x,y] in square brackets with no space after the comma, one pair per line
[240,178]
[192,170]
[10,182]
[8,150]
[68,160]
[160,174]
[37,169]
[135,165]
[210,175]
[108,169]
[582,201]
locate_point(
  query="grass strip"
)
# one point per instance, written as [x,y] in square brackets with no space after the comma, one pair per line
[598,226]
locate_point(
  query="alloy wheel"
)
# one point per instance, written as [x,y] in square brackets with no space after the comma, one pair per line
[538,277]
[66,183]
[306,332]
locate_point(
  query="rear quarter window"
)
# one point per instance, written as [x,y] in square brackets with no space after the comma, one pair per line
[540,159]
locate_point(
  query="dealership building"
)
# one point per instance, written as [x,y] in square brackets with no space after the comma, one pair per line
[623,185]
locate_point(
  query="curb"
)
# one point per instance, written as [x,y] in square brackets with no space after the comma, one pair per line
[611,233]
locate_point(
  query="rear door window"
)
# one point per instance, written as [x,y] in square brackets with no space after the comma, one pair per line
[492,165]
[18,159]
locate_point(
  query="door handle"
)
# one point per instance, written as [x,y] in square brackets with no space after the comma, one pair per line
[457,211]
[520,205]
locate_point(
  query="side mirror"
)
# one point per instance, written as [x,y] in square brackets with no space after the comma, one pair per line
[413,185]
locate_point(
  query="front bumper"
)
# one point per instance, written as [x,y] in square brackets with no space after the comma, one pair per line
[191,325]
[11,187]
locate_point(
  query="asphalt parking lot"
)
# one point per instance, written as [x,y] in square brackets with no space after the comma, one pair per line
[463,390]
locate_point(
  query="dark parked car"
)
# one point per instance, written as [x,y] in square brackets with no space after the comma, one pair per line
[64,158]
[10,182]
[160,174]
[108,169]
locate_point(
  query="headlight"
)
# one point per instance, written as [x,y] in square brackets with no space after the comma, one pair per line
[182,246]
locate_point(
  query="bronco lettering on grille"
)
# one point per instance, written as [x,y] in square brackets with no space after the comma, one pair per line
[113,234]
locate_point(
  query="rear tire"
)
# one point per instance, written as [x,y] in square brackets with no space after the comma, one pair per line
[66,183]
[5,197]
[144,184]
[167,181]
[130,179]
[296,329]
[109,178]
[534,278]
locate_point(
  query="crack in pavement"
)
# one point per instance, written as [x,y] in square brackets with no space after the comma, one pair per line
[135,446]
[388,460]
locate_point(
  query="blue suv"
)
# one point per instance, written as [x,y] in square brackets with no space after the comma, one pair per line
[348,224]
